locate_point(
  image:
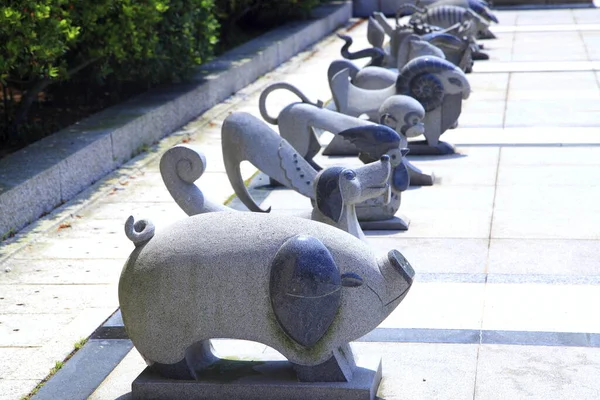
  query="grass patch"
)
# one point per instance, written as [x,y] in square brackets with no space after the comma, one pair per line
[246,183]
[57,366]
[9,234]
[79,344]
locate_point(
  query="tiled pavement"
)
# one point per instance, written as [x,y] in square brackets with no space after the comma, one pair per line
[506,245]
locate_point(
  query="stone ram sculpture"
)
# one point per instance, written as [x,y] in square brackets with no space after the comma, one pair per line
[438,85]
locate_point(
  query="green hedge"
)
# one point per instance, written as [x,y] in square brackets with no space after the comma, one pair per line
[262,12]
[46,41]
[106,41]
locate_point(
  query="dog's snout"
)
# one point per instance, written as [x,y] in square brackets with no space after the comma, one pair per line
[385,158]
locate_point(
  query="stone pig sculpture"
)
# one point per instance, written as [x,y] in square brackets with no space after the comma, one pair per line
[302,287]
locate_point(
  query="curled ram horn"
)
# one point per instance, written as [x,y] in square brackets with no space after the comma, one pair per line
[441,39]
[482,9]
[417,79]
[377,55]
[140,231]
[452,47]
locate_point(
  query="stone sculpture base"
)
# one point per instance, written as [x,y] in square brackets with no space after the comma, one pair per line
[258,380]
[393,224]
[421,148]
[418,178]
[479,55]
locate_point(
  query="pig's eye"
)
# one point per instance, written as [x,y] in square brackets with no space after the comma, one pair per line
[349,174]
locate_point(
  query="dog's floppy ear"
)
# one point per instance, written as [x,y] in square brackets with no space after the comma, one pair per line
[328,196]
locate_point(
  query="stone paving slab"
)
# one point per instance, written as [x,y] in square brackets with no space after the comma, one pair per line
[438,305]
[432,254]
[13,389]
[542,307]
[514,372]
[572,258]
[511,224]
[503,29]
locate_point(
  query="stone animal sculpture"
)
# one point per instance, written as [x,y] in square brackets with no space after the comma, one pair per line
[445,16]
[480,7]
[297,123]
[454,49]
[246,138]
[302,287]
[336,190]
[438,85]
[378,56]
[412,46]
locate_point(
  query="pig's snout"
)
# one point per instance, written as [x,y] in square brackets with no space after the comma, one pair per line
[401,265]
[398,275]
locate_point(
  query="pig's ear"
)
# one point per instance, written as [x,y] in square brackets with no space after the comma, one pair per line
[351,279]
[305,289]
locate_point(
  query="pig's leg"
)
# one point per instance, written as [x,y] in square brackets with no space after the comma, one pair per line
[339,368]
[197,357]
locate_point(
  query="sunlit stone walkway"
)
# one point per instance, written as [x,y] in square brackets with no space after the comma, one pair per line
[506,245]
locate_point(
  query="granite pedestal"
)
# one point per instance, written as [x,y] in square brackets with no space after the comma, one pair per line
[258,380]
[421,148]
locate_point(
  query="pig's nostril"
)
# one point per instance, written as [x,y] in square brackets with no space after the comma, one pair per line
[401,265]
[385,158]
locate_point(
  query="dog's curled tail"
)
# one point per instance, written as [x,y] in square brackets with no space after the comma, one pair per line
[140,231]
[262,101]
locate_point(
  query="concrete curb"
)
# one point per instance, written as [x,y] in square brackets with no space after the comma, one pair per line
[44,175]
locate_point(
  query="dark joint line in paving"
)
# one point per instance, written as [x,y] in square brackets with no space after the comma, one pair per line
[508,278]
[526,144]
[473,336]
[425,335]
[533,7]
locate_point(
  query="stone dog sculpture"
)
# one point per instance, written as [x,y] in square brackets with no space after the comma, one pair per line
[246,138]
[304,288]
[336,190]
[298,121]
[438,85]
